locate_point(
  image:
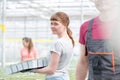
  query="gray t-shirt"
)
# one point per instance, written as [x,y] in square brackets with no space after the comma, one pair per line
[64,48]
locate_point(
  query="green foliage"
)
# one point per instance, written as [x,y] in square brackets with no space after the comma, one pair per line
[20,76]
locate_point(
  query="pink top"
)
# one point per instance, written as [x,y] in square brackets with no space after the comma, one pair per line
[28,56]
[99,31]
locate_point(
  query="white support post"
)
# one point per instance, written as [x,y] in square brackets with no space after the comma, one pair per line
[3,34]
[82,16]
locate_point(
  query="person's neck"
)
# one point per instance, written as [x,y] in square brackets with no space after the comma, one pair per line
[108,16]
[63,35]
[26,47]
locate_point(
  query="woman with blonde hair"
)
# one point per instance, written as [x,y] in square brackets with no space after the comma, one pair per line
[61,51]
[28,52]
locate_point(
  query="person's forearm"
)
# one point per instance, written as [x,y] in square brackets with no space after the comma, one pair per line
[82,65]
[81,73]
[46,70]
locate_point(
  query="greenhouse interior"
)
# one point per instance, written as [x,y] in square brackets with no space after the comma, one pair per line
[31,18]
